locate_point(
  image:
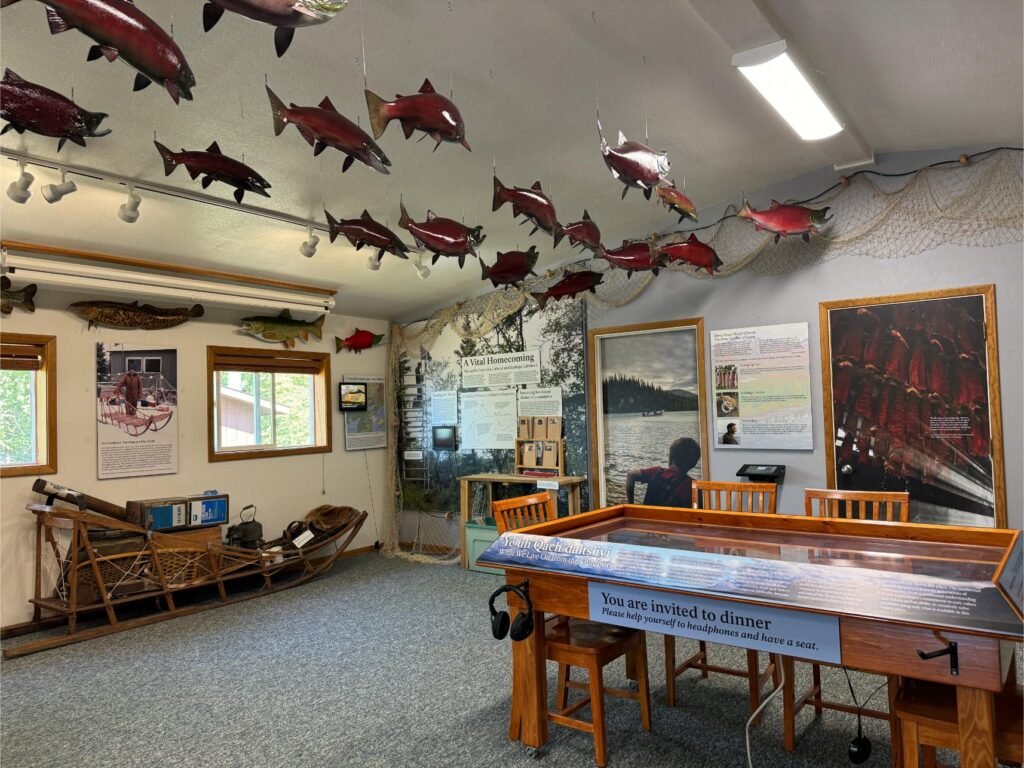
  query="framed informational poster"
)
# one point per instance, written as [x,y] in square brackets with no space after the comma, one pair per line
[366,419]
[136,411]
[911,401]
[648,434]
[762,387]
[488,419]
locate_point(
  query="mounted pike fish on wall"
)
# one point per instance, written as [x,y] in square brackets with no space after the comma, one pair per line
[10,298]
[531,203]
[140,317]
[426,111]
[786,219]
[213,165]
[30,107]
[323,127]
[443,237]
[122,31]
[283,328]
[286,15]
[635,164]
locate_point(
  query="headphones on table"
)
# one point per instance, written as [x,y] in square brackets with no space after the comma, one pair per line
[501,625]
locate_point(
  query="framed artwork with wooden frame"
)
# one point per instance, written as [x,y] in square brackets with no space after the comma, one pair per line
[648,433]
[911,401]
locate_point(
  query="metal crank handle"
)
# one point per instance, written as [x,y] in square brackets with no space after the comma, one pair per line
[951,651]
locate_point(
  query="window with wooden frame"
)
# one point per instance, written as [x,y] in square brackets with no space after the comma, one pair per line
[28,396]
[267,403]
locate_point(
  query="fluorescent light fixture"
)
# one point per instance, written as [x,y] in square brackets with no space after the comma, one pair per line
[129,211]
[85,277]
[19,190]
[772,71]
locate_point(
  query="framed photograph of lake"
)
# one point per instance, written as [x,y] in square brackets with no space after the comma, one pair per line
[912,403]
[648,433]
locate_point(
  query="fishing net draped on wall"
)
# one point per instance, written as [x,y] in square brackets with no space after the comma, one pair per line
[971,204]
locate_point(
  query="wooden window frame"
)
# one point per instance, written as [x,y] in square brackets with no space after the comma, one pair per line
[46,413]
[322,400]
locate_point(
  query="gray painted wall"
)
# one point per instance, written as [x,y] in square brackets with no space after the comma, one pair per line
[746,299]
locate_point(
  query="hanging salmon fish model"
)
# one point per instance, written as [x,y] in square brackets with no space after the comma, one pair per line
[358,341]
[676,201]
[213,165]
[693,251]
[531,203]
[511,268]
[366,231]
[572,284]
[123,31]
[30,107]
[638,256]
[785,219]
[285,15]
[443,237]
[426,111]
[323,127]
[584,233]
[635,164]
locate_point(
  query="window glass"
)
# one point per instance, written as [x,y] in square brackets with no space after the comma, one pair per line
[17,418]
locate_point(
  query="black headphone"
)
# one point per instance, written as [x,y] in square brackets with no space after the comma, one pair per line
[860,747]
[522,627]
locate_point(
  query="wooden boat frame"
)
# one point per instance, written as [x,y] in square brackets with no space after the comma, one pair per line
[165,566]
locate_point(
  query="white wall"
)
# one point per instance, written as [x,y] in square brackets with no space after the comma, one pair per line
[747,299]
[283,489]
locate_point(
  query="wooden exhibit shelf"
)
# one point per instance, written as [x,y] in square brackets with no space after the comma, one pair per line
[918,601]
[569,482]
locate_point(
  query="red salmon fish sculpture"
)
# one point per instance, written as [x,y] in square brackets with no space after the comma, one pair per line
[635,164]
[676,201]
[584,233]
[572,284]
[511,268]
[323,127]
[366,231]
[443,237]
[692,251]
[213,165]
[285,15]
[426,111]
[638,256]
[782,220]
[358,341]
[531,203]
[123,31]
[30,107]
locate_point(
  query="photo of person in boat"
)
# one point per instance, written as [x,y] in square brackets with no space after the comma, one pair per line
[729,437]
[667,486]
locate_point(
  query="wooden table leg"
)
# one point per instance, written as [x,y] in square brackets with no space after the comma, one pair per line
[575,507]
[788,704]
[464,504]
[530,686]
[976,716]
[553,495]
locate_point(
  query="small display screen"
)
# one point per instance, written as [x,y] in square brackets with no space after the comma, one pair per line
[444,439]
[352,396]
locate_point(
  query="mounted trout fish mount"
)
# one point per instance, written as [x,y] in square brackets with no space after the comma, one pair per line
[247,534]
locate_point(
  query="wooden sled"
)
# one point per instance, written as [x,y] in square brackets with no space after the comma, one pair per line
[107,574]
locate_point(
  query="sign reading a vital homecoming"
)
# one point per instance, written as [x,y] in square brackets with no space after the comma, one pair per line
[501,370]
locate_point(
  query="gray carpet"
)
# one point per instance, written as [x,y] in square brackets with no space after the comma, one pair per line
[380,663]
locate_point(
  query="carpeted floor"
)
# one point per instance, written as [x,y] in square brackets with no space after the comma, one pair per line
[381,663]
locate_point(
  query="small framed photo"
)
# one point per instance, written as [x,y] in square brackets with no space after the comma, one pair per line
[352,396]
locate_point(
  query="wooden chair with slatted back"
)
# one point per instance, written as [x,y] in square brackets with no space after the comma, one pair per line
[727,497]
[570,643]
[511,514]
[875,506]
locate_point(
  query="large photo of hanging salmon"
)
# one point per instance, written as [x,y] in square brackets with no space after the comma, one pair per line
[912,402]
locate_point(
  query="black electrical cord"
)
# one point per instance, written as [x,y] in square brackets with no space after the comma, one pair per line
[860,747]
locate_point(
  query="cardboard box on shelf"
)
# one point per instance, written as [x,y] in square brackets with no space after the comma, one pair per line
[554,428]
[524,428]
[529,455]
[550,457]
[538,427]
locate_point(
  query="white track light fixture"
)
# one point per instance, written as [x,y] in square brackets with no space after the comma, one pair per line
[19,190]
[129,210]
[422,271]
[54,193]
[308,247]
[373,263]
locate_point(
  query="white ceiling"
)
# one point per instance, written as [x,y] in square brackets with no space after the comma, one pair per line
[910,74]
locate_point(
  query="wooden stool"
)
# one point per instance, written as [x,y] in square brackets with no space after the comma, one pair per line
[928,719]
[592,646]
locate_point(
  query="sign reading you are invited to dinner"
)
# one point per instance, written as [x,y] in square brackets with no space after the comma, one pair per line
[801,634]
